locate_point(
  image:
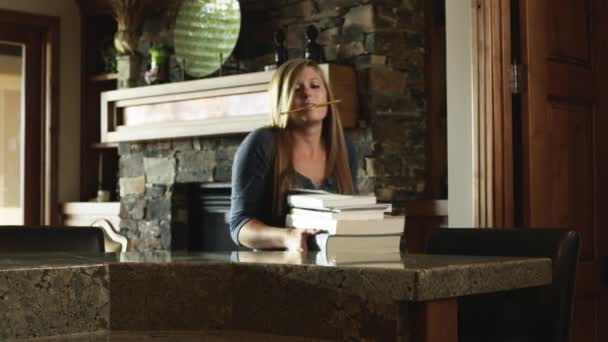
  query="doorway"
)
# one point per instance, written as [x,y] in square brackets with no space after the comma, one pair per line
[543,102]
[28,115]
[11,124]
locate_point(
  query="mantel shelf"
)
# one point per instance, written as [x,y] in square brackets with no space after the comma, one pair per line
[104,77]
[212,106]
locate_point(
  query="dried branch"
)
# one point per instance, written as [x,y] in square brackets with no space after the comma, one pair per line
[127,13]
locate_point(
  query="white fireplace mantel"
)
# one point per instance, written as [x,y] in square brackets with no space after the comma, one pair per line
[212,106]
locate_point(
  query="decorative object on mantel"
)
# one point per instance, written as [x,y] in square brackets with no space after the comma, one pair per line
[312,50]
[107,53]
[128,70]
[280,56]
[211,106]
[159,64]
[128,15]
[206,32]
[102,195]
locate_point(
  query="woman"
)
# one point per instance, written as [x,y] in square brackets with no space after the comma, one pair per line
[301,149]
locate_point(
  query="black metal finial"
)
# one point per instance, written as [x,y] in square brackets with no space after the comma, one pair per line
[280,56]
[312,50]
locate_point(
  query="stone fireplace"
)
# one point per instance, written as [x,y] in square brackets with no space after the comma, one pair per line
[383,41]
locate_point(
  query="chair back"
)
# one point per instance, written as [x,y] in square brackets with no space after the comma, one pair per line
[545,314]
[33,239]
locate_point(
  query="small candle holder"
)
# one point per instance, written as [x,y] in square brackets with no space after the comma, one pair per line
[102,196]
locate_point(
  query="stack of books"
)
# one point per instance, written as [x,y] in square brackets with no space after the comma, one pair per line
[354,223]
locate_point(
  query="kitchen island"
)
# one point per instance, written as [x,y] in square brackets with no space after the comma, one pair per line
[301,296]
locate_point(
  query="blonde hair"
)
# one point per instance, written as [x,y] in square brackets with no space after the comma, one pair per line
[282,94]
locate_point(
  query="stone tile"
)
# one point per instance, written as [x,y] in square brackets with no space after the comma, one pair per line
[132,165]
[132,185]
[361,16]
[351,50]
[159,170]
[302,8]
[53,301]
[195,166]
[169,302]
[387,82]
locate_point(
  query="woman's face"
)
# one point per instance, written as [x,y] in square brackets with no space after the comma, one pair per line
[309,90]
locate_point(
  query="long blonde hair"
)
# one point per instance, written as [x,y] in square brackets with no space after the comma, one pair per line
[282,94]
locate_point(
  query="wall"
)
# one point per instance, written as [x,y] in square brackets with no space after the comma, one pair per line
[461,175]
[384,41]
[69,104]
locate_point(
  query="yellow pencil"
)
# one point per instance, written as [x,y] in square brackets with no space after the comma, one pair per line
[316,105]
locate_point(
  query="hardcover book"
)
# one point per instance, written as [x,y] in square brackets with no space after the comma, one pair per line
[328,201]
[385,225]
[336,214]
[334,245]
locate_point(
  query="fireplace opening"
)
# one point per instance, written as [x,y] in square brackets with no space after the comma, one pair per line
[209,218]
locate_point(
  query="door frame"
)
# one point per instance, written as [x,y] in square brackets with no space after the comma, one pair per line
[40,35]
[492,114]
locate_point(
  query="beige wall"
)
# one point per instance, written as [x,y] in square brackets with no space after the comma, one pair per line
[459,51]
[69,104]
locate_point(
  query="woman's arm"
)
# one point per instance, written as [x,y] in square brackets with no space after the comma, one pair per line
[250,200]
[256,234]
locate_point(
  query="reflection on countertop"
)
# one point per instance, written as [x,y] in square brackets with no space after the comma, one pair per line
[340,296]
[380,261]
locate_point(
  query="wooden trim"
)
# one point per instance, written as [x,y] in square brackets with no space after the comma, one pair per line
[94,7]
[96,23]
[426,208]
[435,321]
[504,172]
[422,218]
[52,122]
[34,133]
[532,44]
[40,34]
[477,37]
[104,77]
[436,93]
[492,114]
[600,27]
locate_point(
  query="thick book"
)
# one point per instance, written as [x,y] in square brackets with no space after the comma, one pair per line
[334,245]
[328,201]
[337,214]
[386,225]
[388,259]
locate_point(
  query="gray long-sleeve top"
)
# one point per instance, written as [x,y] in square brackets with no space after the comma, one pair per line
[252,186]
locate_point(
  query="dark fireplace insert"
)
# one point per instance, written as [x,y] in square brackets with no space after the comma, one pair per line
[209,218]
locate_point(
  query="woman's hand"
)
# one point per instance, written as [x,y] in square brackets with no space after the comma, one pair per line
[297,239]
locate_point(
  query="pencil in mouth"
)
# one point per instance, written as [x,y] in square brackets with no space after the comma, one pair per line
[315,105]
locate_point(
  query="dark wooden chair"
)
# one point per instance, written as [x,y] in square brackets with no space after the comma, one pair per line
[33,239]
[533,314]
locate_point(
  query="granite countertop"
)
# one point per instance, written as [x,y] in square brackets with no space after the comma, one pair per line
[391,276]
[62,293]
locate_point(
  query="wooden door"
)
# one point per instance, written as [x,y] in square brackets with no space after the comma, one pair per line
[565,138]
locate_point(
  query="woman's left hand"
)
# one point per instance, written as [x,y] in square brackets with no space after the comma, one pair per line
[297,239]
